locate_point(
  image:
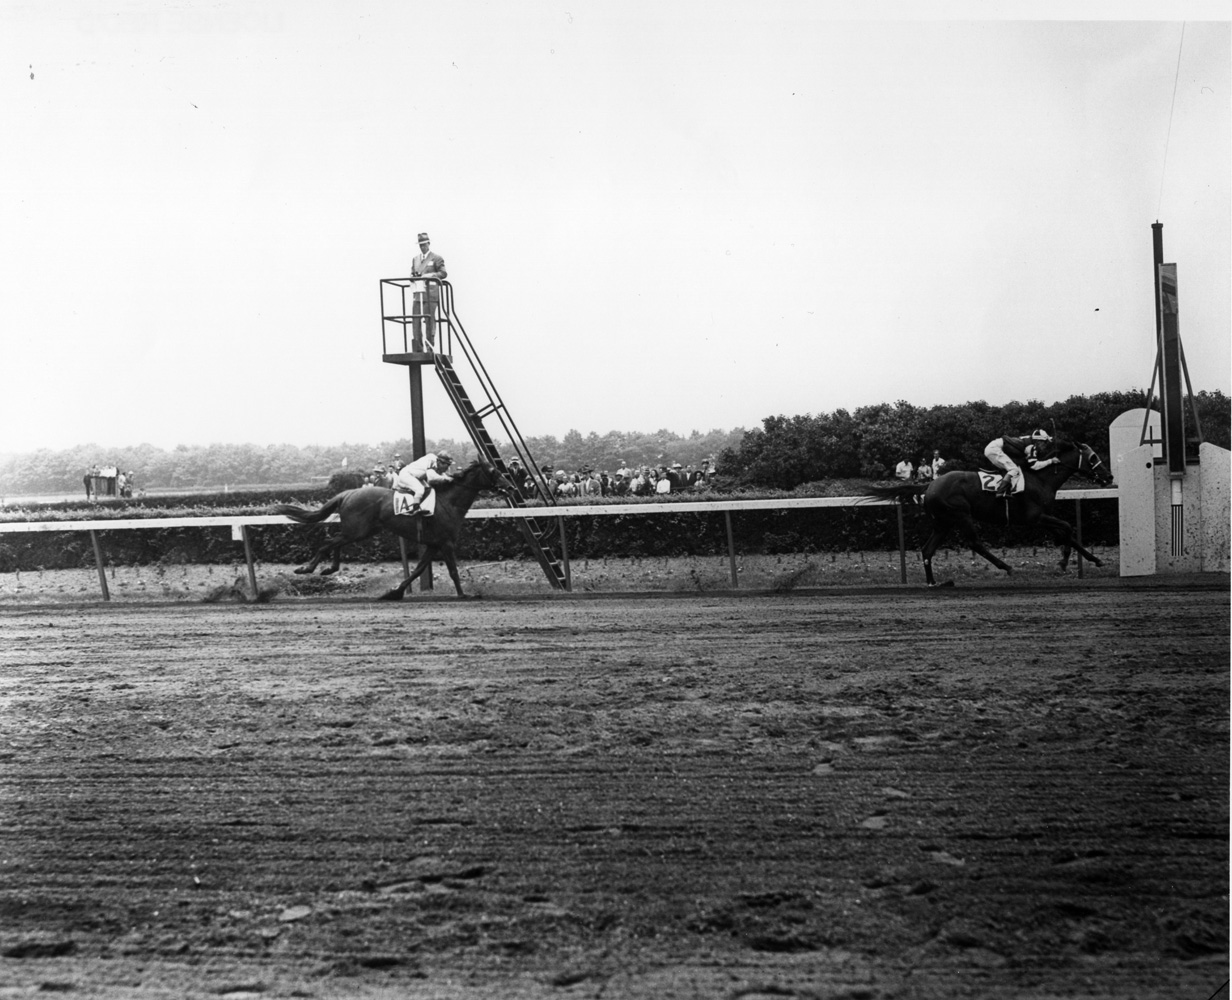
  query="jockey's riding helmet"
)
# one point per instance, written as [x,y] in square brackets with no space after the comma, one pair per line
[444,456]
[1039,434]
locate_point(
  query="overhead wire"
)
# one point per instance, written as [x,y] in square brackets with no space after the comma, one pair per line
[1167,141]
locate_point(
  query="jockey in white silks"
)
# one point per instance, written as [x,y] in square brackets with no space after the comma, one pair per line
[424,473]
[1008,452]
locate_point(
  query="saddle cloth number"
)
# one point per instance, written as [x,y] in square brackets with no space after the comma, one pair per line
[404,503]
[989,481]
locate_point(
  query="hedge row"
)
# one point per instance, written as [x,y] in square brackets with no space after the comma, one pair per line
[828,529]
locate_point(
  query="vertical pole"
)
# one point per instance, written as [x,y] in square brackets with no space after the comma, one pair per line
[406,565]
[564,552]
[98,561]
[252,569]
[419,448]
[731,550]
[902,545]
[1078,530]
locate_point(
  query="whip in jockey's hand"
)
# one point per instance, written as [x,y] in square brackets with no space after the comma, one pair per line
[422,474]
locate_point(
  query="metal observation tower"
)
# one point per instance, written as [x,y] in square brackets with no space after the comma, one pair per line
[414,340]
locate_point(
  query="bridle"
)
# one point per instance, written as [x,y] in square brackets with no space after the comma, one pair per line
[1089,462]
[1094,464]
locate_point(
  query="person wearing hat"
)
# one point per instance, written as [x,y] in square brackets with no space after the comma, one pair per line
[1009,453]
[518,476]
[427,294]
[423,474]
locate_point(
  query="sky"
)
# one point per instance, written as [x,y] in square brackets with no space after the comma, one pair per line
[654,214]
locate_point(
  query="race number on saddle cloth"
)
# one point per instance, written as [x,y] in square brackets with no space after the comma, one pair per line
[990,481]
[405,503]
[417,479]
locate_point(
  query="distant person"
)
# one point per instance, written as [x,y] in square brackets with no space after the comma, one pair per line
[938,463]
[904,470]
[924,472]
[426,294]
[518,477]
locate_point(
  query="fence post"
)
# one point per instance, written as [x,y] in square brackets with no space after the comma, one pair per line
[252,569]
[731,550]
[98,561]
[564,553]
[1078,530]
[406,564]
[902,545]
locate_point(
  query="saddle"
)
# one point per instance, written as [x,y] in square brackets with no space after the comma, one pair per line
[404,504]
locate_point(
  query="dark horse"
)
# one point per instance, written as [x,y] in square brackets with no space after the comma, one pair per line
[369,509]
[957,500]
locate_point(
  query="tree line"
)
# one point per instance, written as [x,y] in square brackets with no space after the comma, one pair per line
[783,453]
[867,443]
[219,466]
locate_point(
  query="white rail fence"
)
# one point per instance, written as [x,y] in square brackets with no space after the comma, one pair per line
[239,524]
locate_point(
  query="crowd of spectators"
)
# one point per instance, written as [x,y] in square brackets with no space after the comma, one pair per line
[383,473]
[641,481]
[923,470]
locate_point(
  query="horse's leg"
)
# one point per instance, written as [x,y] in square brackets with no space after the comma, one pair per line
[935,538]
[337,563]
[315,561]
[1065,532]
[398,592]
[452,565]
[967,525]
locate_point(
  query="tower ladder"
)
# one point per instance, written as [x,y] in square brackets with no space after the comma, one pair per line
[542,534]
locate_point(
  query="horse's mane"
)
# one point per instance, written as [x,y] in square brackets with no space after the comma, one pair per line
[461,478]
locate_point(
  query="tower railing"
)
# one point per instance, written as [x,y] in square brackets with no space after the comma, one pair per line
[398,330]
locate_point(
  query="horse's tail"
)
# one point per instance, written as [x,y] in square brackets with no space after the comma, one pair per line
[306,516]
[907,493]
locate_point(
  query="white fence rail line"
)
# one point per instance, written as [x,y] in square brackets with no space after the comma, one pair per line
[577,510]
[725,507]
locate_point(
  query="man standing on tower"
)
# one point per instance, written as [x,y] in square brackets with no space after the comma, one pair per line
[427,294]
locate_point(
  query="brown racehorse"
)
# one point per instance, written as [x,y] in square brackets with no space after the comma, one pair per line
[957,500]
[364,511]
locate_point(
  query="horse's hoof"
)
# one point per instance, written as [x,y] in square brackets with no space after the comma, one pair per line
[328,572]
[946,583]
[391,595]
[1095,562]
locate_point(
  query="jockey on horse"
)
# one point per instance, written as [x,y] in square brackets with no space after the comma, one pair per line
[421,475]
[1009,453]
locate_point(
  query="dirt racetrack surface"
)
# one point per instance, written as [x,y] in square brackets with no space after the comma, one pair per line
[973,793]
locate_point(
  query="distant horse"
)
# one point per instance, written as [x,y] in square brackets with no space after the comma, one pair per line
[369,509]
[958,500]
